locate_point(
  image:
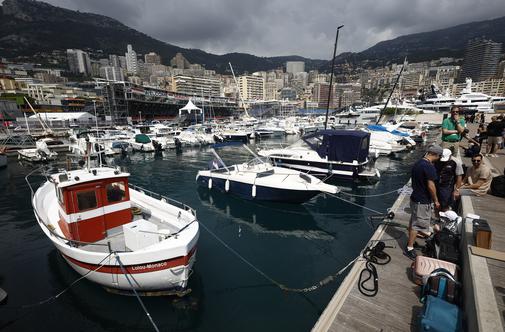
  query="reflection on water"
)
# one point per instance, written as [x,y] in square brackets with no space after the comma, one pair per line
[266,218]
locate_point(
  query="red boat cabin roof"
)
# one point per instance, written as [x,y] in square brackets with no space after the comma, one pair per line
[71,178]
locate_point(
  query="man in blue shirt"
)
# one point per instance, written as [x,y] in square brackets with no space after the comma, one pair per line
[424,196]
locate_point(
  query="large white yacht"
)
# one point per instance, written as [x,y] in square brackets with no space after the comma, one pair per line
[436,101]
[478,101]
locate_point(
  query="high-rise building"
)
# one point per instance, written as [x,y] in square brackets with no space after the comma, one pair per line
[122,62]
[152,58]
[78,61]
[294,67]
[112,73]
[197,86]
[481,60]
[320,94]
[114,60]
[252,87]
[179,62]
[131,60]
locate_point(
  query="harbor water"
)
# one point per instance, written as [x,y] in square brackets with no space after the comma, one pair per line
[296,245]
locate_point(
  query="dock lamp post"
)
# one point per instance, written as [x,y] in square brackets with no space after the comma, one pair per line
[140,117]
[331,77]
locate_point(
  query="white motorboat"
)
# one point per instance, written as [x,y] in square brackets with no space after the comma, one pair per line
[260,180]
[106,229]
[328,154]
[142,143]
[40,153]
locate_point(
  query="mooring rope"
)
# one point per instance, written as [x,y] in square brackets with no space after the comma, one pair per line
[136,294]
[356,204]
[401,190]
[54,297]
[283,287]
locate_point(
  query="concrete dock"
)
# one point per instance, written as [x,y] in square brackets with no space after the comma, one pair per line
[396,306]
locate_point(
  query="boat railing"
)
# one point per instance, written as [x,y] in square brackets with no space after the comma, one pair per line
[270,146]
[163,198]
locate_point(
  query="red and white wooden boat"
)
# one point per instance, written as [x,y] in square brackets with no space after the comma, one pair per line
[107,229]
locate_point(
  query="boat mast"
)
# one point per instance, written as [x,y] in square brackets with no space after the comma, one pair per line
[238,88]
[47,130]
[203,109]
[331,77]
[392,90]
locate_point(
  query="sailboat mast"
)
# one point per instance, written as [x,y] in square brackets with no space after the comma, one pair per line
[392,90]
[331,77]
[238,88]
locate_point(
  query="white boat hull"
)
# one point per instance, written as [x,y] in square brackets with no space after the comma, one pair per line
[163,266]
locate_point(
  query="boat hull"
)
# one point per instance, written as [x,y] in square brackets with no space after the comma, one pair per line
[170,274]
[327,169]
[262,193]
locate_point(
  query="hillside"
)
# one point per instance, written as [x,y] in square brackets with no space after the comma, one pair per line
[28,27]
[449,42]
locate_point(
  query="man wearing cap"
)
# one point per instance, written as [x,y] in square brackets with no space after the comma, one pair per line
[424,196]
[450,178]
[452,128]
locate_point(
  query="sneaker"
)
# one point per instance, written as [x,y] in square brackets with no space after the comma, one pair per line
[410,254]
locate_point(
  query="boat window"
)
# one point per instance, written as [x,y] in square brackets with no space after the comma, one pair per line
[115,192]
[364,143]
[86,200]
[59,194]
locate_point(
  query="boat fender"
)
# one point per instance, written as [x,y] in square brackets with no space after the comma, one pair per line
[210,183]
[227,185]
[253,191]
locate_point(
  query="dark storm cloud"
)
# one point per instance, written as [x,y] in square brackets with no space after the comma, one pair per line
[284,27]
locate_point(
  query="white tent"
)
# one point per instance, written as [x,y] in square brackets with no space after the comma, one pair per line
[190,107]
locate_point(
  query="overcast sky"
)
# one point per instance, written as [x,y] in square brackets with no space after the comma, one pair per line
[286,27]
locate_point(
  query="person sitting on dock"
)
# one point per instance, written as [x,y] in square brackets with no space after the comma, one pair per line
[478,178]
[452,129]
[450,176]
[424,197]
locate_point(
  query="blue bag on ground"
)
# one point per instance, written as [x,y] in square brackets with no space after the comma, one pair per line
[440,316]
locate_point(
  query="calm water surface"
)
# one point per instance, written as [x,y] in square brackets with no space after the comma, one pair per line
[297,245]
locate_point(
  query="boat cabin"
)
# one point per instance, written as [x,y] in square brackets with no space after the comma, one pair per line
[347,146]
[92,202]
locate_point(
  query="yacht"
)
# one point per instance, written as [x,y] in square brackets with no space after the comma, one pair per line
[328,154]
[436,101]
[476,100]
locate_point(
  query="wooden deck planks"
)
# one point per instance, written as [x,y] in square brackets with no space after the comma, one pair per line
[396,305]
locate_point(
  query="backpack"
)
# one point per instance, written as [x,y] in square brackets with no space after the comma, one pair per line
[442,284]
[498,186]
